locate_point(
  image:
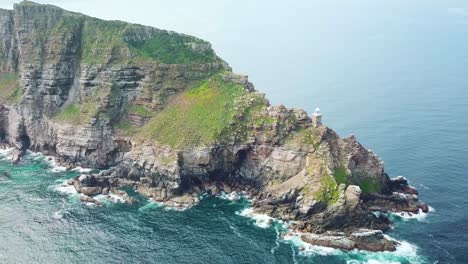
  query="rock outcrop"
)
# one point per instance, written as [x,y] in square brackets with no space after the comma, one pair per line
[161,112]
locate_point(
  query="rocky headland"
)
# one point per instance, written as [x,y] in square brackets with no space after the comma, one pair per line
[160,112]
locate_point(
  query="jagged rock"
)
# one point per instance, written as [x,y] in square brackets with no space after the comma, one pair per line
[372,240]
[16,155]
[337,241]
[87,181]
[77,185]
[90,191]
[352,196]
[87,199]
[424,207]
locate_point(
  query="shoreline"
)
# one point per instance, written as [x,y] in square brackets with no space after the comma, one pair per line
[362,239]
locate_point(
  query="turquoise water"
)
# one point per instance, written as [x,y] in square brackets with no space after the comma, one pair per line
[43,221]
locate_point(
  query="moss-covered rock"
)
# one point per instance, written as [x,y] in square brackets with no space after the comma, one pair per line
[10,91]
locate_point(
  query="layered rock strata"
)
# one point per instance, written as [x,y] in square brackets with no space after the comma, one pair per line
[161,112]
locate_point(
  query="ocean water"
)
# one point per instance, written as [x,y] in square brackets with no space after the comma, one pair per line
[394,73]
[43,221]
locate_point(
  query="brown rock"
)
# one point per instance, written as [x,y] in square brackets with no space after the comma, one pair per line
[424,207]
[334,241]
[372,240]
[91,190]
[87,199]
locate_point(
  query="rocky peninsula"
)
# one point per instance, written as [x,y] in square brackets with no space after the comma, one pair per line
[159,111]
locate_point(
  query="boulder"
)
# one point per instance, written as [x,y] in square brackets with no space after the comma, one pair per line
[372,240]
[87,199]
[352,196]
[424,207]
[87,180]
[91,190]
[334,241]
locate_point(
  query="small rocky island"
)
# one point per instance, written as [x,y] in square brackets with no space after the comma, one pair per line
[160,112]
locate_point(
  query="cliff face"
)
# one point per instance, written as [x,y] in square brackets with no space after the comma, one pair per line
[159,111]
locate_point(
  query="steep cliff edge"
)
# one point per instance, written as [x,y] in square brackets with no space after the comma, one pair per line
[161,112]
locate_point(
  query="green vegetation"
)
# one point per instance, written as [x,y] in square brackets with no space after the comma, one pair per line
[306,191]
[211,112]
[140,110]
[260,120]
[126,128]
[340,175]
[305,136]
[329,191]
[102,41]
[105,41]
[369,186]
[197,117]
[77,114]
[10,91]
[173,48]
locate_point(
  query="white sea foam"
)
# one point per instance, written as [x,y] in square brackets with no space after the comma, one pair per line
[53,164]
[420,216]
[64,188]
[261,220]
[405,252]
[34,155]
[58,214]
[309,249]
[82,170]
[114,198]
[6,153]
[233,196]
[151,205]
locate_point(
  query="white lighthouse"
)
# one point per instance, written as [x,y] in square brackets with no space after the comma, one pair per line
[317,118]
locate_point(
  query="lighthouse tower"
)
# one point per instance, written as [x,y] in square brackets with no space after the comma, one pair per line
[317,118]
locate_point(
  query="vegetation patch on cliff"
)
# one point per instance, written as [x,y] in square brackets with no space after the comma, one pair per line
[302,135]
[9,88]
[135,109]
[77,114]
[196,117]
[107,41]
[210,112]
[369,186]
[173,48]
[329,191]
[340,174]
[102,42]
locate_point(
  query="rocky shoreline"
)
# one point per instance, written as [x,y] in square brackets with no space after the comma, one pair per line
[175,122]
[353,205]
[400,198]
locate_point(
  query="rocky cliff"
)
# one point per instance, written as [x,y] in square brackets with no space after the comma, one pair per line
[161,112]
